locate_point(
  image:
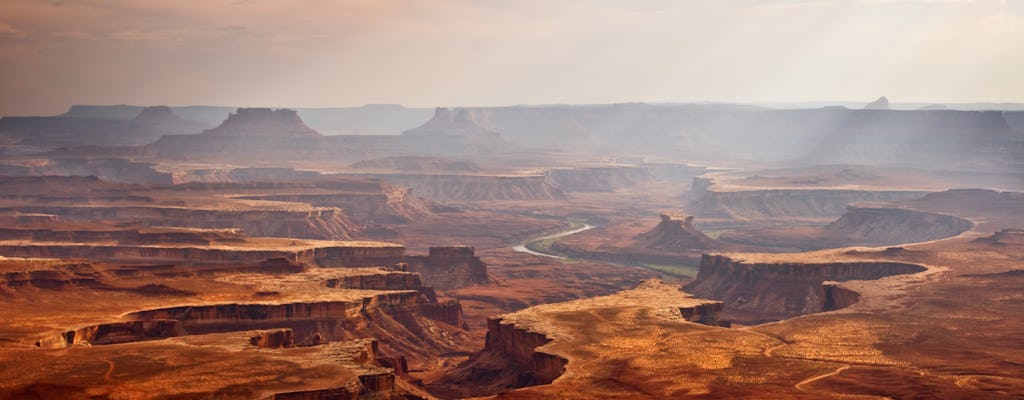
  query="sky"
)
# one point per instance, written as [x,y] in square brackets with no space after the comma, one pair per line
[339,53]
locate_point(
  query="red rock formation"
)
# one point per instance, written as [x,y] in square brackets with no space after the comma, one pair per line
[273,339]
[519,345]
[115,332]
[835,297]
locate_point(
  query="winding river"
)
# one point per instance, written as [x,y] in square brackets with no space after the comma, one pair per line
[522,246]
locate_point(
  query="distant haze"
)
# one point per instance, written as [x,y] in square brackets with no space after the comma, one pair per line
[315,53]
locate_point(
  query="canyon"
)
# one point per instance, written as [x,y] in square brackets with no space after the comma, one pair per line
[379,252]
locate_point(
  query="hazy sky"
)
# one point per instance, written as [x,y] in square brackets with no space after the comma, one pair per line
[486,52]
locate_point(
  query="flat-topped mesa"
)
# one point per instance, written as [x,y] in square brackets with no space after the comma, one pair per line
[675,232]
[766,290]
[156,115]
[456,122]
[264,122]
[448,267]
[524,348]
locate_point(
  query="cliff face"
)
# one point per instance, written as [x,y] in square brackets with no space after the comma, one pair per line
[786,204]
[263,122]
[675,232]
[771,291]
[519,345]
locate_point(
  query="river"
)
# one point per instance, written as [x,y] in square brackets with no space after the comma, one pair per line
[522,246]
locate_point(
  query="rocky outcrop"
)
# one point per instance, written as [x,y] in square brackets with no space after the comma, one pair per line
[273,339]
[263,122]
[520,345]
[449,267]
[675,232]
[476,187]
[764,291]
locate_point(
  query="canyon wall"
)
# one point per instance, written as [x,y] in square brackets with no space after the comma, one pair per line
[519,346]
[784,204]
[765,291]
